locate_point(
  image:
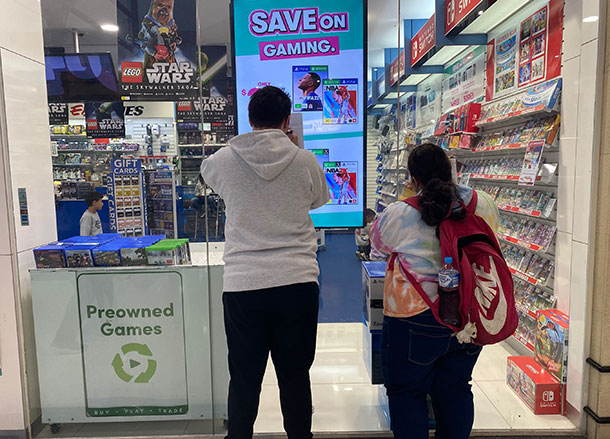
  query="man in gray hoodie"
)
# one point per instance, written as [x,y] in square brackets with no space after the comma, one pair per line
[270,297]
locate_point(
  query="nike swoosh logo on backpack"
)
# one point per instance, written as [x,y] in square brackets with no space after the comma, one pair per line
[485,292]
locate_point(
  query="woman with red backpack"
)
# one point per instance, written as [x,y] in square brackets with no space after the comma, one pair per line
[421,356]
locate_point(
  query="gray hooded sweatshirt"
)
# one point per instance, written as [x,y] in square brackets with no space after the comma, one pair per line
[269,185]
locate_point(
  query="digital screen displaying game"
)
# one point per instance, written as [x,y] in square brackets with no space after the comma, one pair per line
[314,51]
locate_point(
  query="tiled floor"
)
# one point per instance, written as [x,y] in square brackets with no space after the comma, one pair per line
[345,401]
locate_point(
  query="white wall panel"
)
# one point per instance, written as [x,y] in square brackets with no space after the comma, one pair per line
[5,209]
[579,334]
[26,262]
[590,17]
[26,145]
[565,190]
[587,106]
[29,147]
[572,27]
[563,270]
[22,28]
[11,408]
[569,97]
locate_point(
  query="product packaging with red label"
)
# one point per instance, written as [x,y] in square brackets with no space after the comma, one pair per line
[471,115]
[551,345]
[537,388]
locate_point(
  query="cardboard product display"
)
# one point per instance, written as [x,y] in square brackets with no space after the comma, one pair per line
[184,255]
[100,239]
[133,251]
[105,250]
[536,387]
[80,255]
[51,256]
[108,255]
[551,345]
[461,120]
[373,280]
[169,252]
[134,255]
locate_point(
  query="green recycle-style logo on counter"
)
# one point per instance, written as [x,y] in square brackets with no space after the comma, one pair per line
[119,365]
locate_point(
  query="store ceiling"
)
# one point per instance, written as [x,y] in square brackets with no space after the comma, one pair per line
[60,17]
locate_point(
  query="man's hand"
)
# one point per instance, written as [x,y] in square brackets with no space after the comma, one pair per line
[293,137]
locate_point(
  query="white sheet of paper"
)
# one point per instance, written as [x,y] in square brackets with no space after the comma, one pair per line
[296,123]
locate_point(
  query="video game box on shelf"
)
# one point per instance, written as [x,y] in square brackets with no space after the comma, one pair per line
[113,250]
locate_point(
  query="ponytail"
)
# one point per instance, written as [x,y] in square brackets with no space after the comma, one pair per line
[430,166]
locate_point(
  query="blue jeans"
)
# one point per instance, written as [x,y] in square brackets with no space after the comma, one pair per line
[420,357]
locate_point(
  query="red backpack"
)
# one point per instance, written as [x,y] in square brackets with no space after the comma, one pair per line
[486,284]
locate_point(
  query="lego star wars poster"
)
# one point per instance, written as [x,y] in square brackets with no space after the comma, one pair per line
[58,114]
[213,71]
[158,49]
[105,120]
[188,111]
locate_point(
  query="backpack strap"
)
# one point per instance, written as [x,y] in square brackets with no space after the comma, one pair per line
[471,208]
[413,202]
[410,278]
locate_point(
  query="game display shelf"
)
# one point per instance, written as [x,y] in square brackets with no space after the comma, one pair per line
[515,159]
[190,156]
[392,158]
[387,159]
[77,159]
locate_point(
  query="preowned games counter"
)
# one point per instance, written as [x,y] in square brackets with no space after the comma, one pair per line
[130,344]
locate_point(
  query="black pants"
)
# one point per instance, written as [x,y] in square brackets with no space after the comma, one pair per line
[282,321]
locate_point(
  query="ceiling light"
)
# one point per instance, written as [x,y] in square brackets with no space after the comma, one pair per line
[110,27]
[590,19]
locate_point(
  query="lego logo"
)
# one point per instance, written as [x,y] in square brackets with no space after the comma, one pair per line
[132,72]
[548,396]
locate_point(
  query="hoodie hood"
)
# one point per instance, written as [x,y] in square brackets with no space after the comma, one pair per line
[267,152]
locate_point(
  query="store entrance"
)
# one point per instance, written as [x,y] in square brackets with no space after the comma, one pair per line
[346,378]
[494,104]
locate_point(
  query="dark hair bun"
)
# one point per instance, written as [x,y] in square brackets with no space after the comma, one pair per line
[430,167]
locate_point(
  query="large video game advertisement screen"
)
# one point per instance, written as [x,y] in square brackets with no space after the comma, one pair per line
[314,50]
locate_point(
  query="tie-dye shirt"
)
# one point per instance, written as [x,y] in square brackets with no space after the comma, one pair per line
[400,229]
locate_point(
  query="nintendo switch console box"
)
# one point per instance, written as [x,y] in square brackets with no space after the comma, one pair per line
[536,387]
